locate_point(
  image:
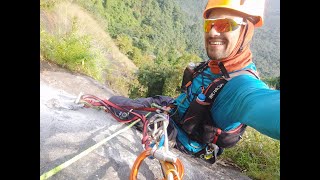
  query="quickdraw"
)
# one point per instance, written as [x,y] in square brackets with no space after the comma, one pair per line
[155,136]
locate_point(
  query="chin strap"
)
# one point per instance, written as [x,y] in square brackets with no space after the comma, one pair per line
[223,70]
[244,35]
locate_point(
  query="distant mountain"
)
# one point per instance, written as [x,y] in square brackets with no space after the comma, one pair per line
[266,41]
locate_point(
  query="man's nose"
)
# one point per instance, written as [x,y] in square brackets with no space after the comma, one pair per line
[213,32]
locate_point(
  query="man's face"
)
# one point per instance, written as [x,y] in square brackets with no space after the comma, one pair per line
[220,45]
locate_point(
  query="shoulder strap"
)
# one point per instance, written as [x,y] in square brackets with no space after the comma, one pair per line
[190,74]
[200,68]
[213,89]
[244,71]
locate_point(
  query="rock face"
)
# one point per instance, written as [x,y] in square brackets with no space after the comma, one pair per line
[67,130]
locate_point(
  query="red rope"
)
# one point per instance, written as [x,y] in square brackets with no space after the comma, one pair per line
[95,101]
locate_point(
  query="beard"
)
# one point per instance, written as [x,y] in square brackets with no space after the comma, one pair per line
[216,54]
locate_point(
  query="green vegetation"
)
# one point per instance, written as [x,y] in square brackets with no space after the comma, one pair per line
[72,51]
[273,82]
[161,37]
[163,77]
[257,155]
[154,35]
[48,4]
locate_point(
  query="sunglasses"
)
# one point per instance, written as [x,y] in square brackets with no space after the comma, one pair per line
[222,25]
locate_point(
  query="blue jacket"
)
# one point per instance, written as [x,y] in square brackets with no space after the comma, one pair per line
[244,99]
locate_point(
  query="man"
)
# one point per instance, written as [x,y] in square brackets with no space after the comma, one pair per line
[244,99]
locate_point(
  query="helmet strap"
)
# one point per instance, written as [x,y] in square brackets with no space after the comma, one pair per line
[244,35]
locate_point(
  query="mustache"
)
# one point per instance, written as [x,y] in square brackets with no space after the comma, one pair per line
[216,39]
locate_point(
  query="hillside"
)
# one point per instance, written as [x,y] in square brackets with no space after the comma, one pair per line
[266,41]
[59,19]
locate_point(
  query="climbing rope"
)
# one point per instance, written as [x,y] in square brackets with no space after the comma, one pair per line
[84,153]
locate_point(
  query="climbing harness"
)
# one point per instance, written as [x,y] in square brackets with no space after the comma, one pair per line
[196,121]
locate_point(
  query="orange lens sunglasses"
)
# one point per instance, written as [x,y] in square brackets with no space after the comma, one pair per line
[222,25]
